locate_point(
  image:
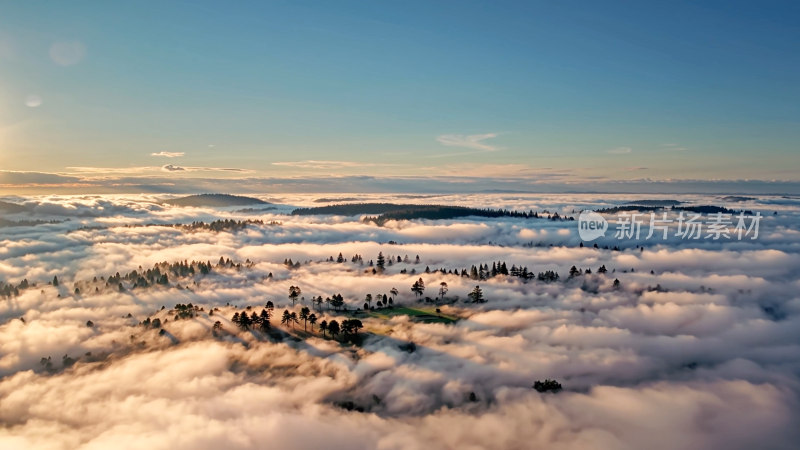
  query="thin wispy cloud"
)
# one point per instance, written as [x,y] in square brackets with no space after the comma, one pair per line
[168,154]
[174,168]
[674,147]
[326,165]
[620,150]
[472,141]
[138,170]
[112,170]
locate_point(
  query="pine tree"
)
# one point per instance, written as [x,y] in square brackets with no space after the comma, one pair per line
[381,262]
[477,295]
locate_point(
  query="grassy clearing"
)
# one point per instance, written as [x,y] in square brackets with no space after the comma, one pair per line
[425,315]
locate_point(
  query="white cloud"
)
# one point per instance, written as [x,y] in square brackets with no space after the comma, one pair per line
[620,150]
[701,362]
[168,154]
[472,141]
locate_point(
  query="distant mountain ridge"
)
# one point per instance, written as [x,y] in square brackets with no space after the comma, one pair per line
[393,211]
[10,208]
[214,200]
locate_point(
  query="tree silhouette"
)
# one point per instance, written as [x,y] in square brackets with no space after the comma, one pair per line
[442,289]
[323,326]
[368,300]
[304,314]
[418,287]
[294,292]
[394,292]
[244,321]
[351,327]
[347,327]
[270,306]
[312,319]
[55,281]
[333,328]
[477,295]
[263,320]
[293,318]
[337,302]
[547,386]
[381,263]
[286,318]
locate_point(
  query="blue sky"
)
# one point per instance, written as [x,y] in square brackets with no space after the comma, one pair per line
[547,90]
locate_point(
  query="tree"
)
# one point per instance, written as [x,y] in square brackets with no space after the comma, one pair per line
[477,295]
[333,328]
[304,314]
[347,327]
[418,287]
[394,292]
[381,264]
[337,302]
[294,292]
[293,317]
[547,386]
[312,319]
[263,320]
[574,272]
[55,281]
[217,327]
[323,326]
[270,306]
[340,259]
[616,283]
[368,300]
[244,321]
[353,325]
[286,318]
[442,289]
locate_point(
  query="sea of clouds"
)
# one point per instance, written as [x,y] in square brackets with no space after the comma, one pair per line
[699,346]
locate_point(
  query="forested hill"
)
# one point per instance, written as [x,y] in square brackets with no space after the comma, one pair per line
[391,211]
[214,200]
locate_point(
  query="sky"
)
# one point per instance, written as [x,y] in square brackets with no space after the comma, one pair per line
[554,92]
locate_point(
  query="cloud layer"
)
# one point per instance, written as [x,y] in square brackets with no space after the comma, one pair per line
[701,352]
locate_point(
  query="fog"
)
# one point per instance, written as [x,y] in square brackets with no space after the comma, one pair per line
[698,346]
